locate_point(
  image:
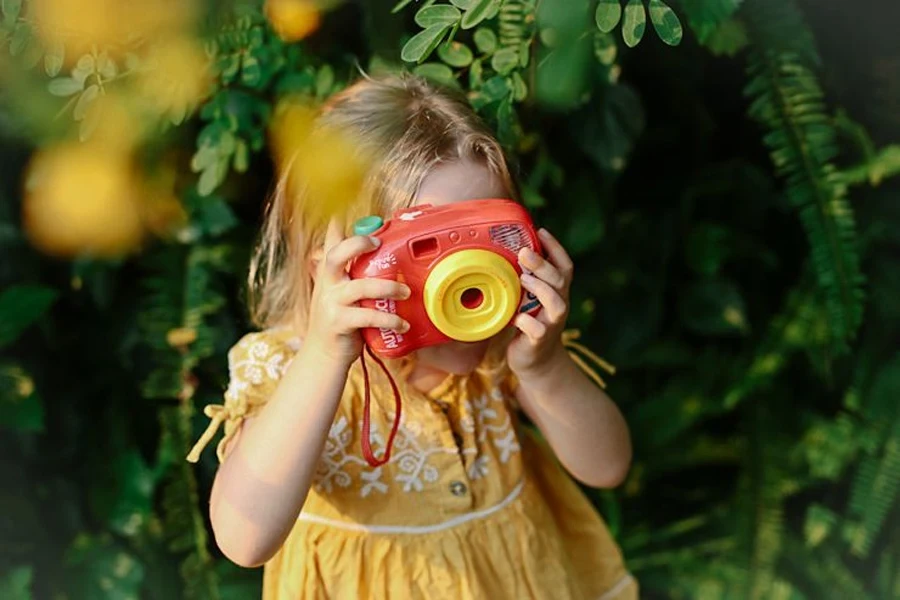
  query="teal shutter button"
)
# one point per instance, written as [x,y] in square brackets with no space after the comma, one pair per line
[367,225]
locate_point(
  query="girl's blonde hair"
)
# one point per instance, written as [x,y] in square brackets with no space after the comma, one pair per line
[408,126]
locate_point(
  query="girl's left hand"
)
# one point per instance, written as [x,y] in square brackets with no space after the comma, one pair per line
[538,345]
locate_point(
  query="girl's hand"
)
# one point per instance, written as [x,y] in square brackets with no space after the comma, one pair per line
[538,345]
[334,317]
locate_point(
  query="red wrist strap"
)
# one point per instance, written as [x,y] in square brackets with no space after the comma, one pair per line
[367,425]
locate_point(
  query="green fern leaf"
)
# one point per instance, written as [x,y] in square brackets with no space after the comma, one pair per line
[515,23]
[786,99]
[184,525]
[875,492]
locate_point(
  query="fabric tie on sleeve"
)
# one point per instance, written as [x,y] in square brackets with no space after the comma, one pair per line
[218,414]
[569,338]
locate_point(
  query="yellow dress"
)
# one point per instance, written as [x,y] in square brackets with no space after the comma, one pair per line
[470,505]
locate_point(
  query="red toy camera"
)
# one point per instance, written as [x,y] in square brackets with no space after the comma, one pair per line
[461,263]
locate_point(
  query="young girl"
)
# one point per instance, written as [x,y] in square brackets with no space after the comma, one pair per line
[470,505]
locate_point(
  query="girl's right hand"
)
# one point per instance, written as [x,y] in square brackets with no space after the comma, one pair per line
[334,317]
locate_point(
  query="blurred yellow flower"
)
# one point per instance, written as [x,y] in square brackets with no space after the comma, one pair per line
[175,77]
[293,20]
[82,199]
[325,167]
[83,24]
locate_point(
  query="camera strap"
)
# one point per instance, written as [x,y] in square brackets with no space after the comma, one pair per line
[367,421]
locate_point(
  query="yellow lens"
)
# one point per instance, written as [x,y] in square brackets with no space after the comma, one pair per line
[471,295]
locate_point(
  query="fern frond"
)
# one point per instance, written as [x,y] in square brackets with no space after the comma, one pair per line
[875,492]
[760,499]
[779,27]
[875,169]
[184,526]
[821,573]
[515,23]
[788,102]
[182,292]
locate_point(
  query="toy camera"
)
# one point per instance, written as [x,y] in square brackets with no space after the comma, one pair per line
[460,263]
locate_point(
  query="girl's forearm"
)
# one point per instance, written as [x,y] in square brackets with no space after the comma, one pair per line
[580,422]
[261,486]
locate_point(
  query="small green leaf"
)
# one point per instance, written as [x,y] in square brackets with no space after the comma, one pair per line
[20,37]
[400,6]
[666,22]
[106,66]
[463,4]
[212,177]
[20,306]
[65,86]
[480,11]
[436,72]
[520,90]
[729,38]
[324,81]
[455,54]
[423,43]
[476,72]
[228,66]
[442,14]
[505,60]
[16,584]
[251,74]
[524,54]
[84,68]
[506,122]
[485,40]
[495,88]
[608,15]
[54,58]
[214,215]
[85,101]
[241,156]
[605,49]
[634,23]
[11,9]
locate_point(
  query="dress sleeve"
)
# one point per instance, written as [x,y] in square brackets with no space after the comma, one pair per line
[255,365]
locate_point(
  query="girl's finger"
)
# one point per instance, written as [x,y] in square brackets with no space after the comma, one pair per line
[554,307]
[533,329]
[365,289]
[543,269]
[336,258]
[557,254]
[358,318]
[333,235]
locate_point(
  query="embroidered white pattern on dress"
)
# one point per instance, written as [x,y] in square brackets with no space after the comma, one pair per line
[413,448]
[262,363]
[331,469]
[411,455]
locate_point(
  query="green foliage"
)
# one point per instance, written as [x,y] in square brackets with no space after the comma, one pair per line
[20,306]
[788,102]
[721,243]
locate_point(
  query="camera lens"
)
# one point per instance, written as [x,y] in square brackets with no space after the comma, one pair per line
[472,298]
